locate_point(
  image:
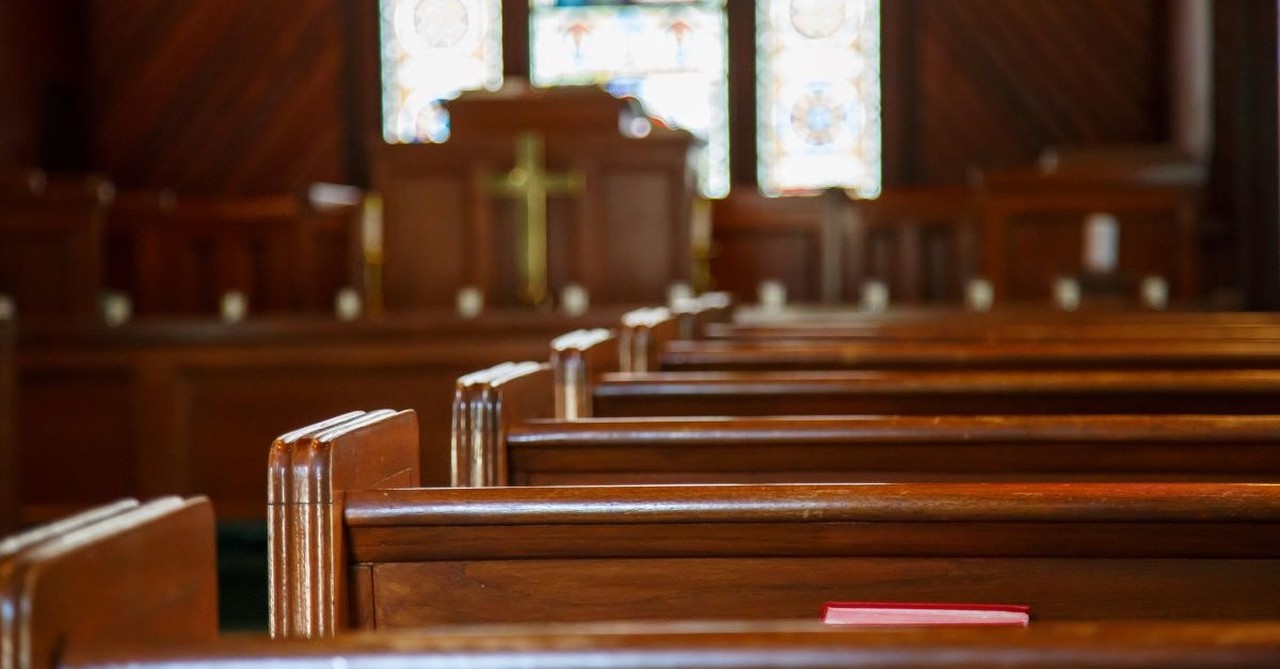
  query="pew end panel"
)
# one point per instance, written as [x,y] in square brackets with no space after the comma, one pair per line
[140,574]
[487,403]
[578,360]
[643,335]
[309,582]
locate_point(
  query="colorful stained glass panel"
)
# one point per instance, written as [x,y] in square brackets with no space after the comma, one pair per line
[672,56]
[818,95]
[432,50]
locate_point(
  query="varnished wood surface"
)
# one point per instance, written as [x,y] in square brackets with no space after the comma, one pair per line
[933,393]
[142,574]
[739,645]
[8,449]
[310,469]
[927,355]
[1070,551]
[183,407]
[893,448]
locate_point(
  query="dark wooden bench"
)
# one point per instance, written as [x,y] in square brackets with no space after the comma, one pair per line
[125,572]
[739,645]
[1003,392]
[513,436]
[686,355]
[1009,324]
[418,557]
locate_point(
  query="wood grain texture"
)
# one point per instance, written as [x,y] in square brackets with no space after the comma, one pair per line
[581,553]
[214,96]
[898,448]
[143,574]
[312,468]
[742,645]
[994,82]
[184,406]
[932,393]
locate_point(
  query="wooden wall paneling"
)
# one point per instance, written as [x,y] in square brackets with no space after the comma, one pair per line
[755,239]
[922,243]
[51,245]
[996,81]
[1032,237]
[218,96]
[1243,186]
[180,406]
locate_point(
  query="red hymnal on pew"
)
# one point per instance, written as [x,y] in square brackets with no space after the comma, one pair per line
[912,613]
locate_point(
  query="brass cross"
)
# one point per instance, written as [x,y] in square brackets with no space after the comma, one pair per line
[529,184]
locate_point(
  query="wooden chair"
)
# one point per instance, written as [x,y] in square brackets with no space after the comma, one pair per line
[421,557]
[119,573]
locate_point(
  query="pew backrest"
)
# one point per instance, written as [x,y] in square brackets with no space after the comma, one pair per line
[1056,355]
[429,557]
[866,449]
[1002,392]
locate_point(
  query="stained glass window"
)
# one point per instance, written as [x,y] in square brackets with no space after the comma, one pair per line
[432,50]
[818,95]
[672,56]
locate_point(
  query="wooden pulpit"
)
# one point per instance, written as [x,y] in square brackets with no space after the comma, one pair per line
[536,190]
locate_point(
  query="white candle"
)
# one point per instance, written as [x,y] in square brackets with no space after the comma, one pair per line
[347,305]
[1155,293]
[574,300]
[979,295]
[875,296]
[470,301]
[772,295]
[234,306]
[1066,293]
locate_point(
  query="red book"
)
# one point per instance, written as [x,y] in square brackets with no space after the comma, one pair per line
[914,613]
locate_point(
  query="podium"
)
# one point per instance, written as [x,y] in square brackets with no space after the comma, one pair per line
[536,190]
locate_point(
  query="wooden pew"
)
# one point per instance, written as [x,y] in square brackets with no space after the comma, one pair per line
[418,557]
[124,572]
[1005,324]
[1064,355]
[519,438]
[913,392]
[741,645]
